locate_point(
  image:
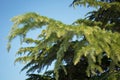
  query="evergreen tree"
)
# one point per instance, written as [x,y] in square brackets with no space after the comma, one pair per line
[93,55]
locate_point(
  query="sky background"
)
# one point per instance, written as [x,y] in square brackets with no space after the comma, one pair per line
[56,9]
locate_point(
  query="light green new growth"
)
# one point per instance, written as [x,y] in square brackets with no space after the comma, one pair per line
[55,39]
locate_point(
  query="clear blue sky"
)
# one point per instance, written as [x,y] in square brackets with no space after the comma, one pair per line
[57,9]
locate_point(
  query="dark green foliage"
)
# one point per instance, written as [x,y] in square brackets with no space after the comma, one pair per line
[38,77]
[108,13]
[93,55]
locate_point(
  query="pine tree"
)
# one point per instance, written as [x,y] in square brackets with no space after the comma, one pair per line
[93,55]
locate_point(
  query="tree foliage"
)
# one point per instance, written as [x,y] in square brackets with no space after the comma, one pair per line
[39,77]
[88,49]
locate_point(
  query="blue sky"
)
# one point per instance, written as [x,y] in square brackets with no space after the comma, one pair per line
[57,9]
